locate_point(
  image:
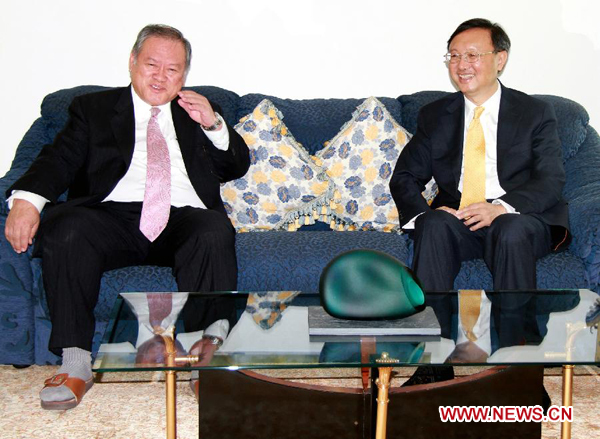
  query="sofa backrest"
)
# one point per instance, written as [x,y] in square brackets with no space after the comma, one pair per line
[311,121]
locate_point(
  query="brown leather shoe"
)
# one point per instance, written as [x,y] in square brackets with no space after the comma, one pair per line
[77,386]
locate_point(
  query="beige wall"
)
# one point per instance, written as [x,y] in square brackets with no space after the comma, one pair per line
[295,49]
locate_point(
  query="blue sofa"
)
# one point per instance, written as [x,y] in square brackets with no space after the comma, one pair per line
[281,260]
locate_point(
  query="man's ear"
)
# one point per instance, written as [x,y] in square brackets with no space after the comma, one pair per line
[131,61]
[502,58]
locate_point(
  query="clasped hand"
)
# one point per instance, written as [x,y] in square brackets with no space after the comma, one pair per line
[476,215]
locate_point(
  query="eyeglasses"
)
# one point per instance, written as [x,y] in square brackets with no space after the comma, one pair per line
[470,57]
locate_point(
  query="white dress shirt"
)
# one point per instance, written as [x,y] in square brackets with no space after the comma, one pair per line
[133,184]
[489,124]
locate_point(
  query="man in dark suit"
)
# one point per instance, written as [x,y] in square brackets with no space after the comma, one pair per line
[497,143]
[143,165]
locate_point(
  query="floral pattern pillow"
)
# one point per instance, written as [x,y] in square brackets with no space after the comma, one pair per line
[284,188]
[360,160]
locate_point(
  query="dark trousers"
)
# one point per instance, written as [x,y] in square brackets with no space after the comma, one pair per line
[510,247]
[79,243]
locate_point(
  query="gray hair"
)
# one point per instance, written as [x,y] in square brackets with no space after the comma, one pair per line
[162,31]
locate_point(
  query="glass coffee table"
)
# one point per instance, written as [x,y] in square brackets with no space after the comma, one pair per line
[525,329]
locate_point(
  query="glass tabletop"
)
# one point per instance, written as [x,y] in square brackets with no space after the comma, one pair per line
[290,329]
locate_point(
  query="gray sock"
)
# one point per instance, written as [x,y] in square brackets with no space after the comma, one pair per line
[78,364]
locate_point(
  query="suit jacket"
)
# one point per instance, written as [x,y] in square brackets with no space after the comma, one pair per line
[530,166]
[91,155]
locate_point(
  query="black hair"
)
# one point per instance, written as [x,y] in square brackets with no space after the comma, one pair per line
[500,39]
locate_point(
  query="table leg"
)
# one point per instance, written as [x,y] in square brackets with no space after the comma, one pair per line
[171,387]
[565,431]
[383,386]
[170,384]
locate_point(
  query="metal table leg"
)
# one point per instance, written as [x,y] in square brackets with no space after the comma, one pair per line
[565,430]
[383,384]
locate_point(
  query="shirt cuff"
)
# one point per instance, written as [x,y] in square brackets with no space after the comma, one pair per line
[219,138]
[508,207]
[220,329]
[411,224]
[37,200]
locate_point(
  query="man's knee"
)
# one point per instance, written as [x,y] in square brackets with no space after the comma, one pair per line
[510,230]
[435,223]
[217,230]
[65,226]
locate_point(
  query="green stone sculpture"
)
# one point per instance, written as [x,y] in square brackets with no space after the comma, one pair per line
[368,284]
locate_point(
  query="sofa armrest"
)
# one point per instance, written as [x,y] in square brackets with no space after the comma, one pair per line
[584,217]
[17,332]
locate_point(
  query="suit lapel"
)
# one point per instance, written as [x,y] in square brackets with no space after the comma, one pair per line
[123,125]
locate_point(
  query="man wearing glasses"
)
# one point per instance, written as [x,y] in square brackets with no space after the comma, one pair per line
[496,157]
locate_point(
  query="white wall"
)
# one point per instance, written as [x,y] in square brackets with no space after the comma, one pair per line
[295,49]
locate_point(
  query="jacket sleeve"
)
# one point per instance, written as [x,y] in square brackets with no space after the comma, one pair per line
[233,163]
[411,174]
[538,169]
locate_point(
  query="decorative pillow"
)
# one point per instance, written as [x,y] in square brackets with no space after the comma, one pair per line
[431,191]
[283,188]
[360,161]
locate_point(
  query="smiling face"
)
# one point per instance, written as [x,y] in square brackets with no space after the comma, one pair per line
[477,81]
[158,71]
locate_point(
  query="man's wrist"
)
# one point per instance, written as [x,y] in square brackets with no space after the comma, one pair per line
[216,125]
[37,200]
[213,339]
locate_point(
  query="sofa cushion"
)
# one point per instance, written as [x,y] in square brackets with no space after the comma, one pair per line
[283,187]
[314,121]
[274,261]
[360,161]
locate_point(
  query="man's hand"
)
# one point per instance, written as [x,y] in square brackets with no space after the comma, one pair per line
[205,351]
[479,215]
[21,225]
[198,107]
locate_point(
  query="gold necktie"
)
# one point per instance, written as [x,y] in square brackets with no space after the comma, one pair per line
[474,158]
[469,304]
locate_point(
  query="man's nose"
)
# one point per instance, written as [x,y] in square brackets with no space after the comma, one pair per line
[160,74]
[462,63]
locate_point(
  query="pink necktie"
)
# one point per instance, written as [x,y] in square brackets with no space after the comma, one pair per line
[160,306]
[157,196]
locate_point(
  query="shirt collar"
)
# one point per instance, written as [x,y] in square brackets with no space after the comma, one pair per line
[142,109]
[492,105]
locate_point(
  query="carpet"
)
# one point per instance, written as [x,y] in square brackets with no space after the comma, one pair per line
[132,405]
